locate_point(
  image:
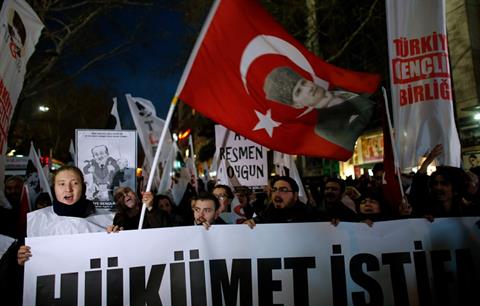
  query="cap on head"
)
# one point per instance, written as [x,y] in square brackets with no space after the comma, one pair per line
[279,85]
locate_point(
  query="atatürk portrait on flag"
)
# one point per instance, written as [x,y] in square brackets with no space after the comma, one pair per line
[342,115]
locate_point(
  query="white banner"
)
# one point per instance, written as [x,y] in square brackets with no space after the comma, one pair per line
[245,161]
[20,29]
[391,263]
[420,81]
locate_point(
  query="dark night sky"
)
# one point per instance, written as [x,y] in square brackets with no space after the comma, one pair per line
[149,69]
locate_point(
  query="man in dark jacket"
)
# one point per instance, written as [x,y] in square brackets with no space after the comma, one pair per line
[284,206]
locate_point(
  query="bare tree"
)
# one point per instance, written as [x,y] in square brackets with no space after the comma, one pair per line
[73,40]
[68,31]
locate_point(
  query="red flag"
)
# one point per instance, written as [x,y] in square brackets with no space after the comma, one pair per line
[391,188]
[248,74]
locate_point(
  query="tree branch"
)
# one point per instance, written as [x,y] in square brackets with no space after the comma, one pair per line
[350,39]
[79,5]
[84,67]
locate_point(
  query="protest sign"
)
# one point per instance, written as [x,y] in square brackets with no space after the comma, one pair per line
[108,159]
[245,161]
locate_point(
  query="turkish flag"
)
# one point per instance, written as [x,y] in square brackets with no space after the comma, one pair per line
[249,75]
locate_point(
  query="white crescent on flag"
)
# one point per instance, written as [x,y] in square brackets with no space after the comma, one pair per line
[267,44]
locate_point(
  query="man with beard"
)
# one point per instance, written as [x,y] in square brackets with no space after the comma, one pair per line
[284,205]
[206,209]
[447,185]
[333,206]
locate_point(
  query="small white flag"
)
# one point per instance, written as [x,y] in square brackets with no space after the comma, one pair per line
[71,150]
[36,180]
[114,113]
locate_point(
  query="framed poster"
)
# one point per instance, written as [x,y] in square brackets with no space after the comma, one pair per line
[372,148]
[108,159]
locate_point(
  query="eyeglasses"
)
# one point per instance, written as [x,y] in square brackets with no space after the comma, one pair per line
[281,190]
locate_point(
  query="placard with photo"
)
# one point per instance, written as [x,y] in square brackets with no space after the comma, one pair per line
[108,159]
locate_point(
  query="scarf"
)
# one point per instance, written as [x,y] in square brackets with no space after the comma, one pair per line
[81,209]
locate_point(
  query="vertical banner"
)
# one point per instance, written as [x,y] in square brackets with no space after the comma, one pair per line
[108,159]
[20,29]
[420,81]
[244,159]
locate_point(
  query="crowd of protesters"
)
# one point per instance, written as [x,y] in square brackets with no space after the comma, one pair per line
[447,192]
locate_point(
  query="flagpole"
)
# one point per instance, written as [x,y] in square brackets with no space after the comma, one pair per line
[394,149]
[157,156]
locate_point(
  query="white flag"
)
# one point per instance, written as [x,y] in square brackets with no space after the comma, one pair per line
[149,128]
[420,81]
[180,184]
[71,150]
[36,179]
[165,186]
[20,29]
[284,162]
[114,113]
[191,164]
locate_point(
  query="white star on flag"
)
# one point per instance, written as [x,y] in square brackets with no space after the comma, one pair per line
[266,122]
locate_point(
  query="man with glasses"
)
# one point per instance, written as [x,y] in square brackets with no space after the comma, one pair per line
[284,205]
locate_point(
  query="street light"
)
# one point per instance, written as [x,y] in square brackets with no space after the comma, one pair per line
[476,116]
[43,108]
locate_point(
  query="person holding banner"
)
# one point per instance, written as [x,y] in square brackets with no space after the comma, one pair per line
[206,210]
[70,213]
[224,195]
[284,206]
[165,203]
[371,208]
[128,211]
[333,205]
